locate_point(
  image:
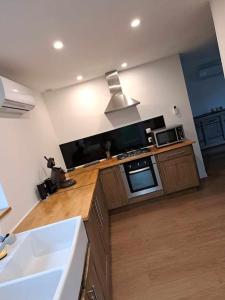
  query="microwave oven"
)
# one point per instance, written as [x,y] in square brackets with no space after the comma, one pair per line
[168,136]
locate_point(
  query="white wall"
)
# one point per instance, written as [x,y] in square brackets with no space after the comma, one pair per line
[23,143]
[78,111]
[218,12]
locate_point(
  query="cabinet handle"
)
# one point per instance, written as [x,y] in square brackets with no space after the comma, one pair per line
[213,121]
[175,154]
[95,294]
[139,170]
[92,293]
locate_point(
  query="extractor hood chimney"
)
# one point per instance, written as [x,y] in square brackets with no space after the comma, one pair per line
[118,100]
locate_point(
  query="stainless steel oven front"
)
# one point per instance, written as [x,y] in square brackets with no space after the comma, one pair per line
[141,176]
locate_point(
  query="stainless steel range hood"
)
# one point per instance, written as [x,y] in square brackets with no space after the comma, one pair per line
[118,100]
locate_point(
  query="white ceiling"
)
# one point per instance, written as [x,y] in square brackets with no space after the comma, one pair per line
[96,34]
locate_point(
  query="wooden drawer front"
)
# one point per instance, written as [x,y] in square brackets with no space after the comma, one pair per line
[114,191]
[175,153]
[102,220]
[86,267]
[93,288]
[97,228]
[98,251]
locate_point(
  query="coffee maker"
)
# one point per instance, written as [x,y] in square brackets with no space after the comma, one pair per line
[58,176]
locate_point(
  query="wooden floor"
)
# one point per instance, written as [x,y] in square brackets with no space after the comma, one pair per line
[173,249]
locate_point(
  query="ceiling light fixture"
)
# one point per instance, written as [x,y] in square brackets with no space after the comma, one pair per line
[79,77]
[135,23]
[124,65]
[58,45]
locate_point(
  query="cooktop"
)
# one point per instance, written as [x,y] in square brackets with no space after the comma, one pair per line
[132,153]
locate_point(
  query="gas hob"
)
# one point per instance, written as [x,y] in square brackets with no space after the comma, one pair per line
[132,153]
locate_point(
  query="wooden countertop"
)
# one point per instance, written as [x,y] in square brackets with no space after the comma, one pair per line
[84,178]
[4,212]
[58,207]
[76,200]
[114,161]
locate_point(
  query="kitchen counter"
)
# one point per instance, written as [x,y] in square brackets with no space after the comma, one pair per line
[76,200]
[82,177]
[58,207]
[114,161]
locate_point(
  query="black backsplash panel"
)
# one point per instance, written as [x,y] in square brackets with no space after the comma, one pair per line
[122,139]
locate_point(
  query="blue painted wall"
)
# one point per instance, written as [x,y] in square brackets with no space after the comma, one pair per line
[208,93]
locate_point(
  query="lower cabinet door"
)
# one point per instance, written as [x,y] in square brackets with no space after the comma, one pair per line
[114,191]
[179,173]
[99,252]
[102,214]
[201,136]
[223,124]
[93,289]
[213,131]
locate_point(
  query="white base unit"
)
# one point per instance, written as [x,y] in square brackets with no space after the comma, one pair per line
[14,97]
[45,263]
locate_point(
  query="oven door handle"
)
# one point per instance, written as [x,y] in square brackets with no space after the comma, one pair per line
[139,170]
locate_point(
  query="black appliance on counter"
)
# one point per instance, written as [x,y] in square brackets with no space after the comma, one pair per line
[46,188]
[141,176]
[42,190]
[50,186]
[168,136]
[122,140]
[58,175]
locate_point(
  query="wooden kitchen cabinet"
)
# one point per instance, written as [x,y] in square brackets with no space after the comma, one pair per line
[102,215]
[113,188]
[97,227]
[93,289]
[200,133]
[178,169]
[211,129]
[223,123]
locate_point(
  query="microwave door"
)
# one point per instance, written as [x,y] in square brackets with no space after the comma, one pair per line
[166,137]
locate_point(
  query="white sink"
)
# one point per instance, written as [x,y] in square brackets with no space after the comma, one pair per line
[52,257]
[37,287]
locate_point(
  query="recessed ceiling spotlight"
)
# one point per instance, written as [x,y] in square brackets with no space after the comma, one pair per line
[135,23]
[124,65]
[58,45]
[79,77]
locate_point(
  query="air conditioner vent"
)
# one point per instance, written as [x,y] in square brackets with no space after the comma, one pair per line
[15,97]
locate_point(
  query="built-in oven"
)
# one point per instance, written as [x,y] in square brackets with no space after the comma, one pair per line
[141,176]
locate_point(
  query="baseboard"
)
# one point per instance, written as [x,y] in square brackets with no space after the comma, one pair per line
[24,217]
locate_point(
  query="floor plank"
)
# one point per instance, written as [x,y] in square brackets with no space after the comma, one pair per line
[173,249]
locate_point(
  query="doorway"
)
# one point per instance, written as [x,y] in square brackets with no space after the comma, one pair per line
[205,83]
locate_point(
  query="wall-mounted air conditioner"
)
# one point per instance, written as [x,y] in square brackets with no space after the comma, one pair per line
[14,97]
[210,69]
